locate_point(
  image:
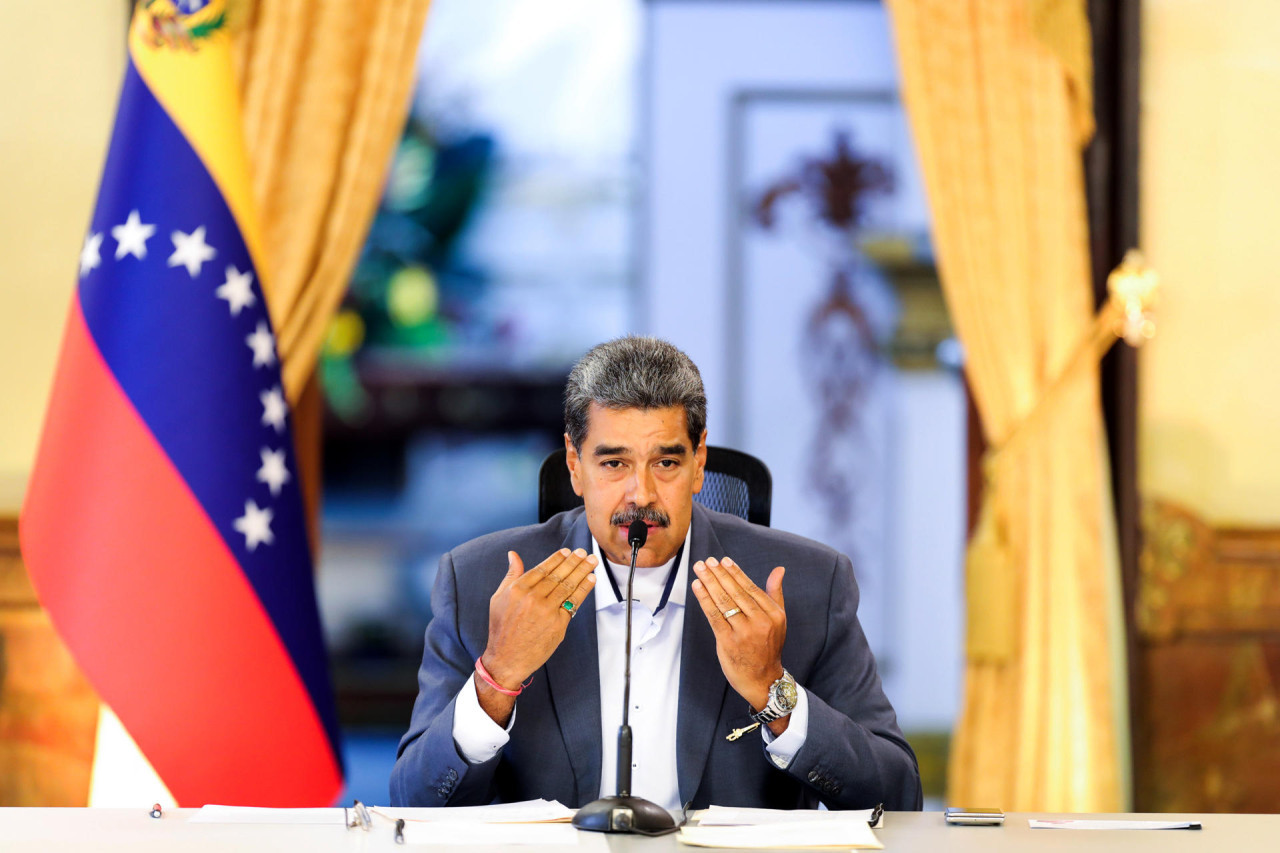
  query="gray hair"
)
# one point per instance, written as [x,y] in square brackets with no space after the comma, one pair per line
[634,373]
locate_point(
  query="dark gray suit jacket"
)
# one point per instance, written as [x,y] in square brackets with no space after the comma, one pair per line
[854,755]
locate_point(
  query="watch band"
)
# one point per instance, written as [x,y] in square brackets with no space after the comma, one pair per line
[782,700]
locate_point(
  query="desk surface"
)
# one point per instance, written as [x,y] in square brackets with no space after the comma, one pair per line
[133,830]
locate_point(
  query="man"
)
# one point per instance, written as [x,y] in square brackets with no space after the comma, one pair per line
[521,680]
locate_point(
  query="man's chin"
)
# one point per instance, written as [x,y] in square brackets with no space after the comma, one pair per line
[655,552]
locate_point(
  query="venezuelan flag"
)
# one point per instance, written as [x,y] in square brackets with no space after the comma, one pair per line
[163,527]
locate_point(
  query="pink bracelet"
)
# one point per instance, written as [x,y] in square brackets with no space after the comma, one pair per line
[488,679]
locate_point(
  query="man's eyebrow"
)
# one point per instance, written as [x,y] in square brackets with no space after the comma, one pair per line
[618,450]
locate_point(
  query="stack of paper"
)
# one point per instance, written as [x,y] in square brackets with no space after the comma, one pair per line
[825,832]
[451,833]
[527,811]
[727,816]
[532,822]
[1113,824]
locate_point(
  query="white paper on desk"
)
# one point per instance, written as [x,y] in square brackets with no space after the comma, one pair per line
[526,811]
[254,814]
[457,833]
[805,833]
[1113,824]
[728,816]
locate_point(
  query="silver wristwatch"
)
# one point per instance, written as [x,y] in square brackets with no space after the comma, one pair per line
[782,700]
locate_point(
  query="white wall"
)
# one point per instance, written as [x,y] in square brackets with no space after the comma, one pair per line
[60,73]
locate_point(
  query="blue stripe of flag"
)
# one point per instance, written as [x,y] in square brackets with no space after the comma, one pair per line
[182,358]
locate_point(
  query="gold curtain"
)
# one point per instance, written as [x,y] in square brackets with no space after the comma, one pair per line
[325,86]
[998,92]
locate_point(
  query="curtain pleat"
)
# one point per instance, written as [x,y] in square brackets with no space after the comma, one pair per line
[996,92]
[326,87]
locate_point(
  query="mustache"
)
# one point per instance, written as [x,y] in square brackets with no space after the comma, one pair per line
[647,514]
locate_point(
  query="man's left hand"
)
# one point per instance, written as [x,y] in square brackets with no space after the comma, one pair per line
[749,640]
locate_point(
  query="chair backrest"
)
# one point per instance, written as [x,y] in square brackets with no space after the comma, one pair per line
[735,482]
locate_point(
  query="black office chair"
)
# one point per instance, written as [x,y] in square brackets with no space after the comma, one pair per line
[734,482]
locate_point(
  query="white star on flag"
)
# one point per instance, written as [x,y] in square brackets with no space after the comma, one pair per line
[273,471]
[237,290]
[255,524]
[90,257]
[190,251]
[131,237]
[263,344]
[273,408]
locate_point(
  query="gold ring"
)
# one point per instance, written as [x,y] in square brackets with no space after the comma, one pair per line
[734,612]
[569,606]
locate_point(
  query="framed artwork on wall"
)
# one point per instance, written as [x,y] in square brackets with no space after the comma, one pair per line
[819,182]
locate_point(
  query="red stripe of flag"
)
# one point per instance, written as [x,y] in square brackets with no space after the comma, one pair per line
[163,571]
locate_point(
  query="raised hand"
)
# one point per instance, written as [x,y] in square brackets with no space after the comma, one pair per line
[527,621]
[750,626]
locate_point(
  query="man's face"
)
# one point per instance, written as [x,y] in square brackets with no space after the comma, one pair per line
[637,463]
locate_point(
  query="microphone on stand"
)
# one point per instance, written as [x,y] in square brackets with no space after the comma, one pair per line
[624,813]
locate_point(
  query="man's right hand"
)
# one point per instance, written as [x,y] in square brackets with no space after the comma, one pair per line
[527,621]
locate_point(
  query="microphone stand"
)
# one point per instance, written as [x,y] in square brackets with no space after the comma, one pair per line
[624,813]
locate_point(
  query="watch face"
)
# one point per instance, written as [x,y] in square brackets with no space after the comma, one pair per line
[786,692]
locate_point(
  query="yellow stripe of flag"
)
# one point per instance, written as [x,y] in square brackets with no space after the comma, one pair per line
[185,59]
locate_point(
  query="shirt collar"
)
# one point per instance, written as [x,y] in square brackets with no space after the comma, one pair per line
[678,591]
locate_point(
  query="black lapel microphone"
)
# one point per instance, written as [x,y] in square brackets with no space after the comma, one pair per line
[624,813]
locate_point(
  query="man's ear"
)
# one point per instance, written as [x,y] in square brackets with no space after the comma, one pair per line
[574,462]
[700,459]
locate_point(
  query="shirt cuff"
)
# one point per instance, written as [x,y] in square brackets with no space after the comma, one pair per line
[477,737]
[783,748]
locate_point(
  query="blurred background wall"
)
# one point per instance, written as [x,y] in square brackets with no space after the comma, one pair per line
[1210,130]
[61,73]
[1207,677]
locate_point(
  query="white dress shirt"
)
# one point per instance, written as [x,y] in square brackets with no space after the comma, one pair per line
[655,687]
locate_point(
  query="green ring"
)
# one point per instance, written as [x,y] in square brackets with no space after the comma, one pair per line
[568,605]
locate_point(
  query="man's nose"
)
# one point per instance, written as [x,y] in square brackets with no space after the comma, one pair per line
[641,492]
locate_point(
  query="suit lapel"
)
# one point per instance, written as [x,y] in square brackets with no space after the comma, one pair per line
[573,682]
[702,682]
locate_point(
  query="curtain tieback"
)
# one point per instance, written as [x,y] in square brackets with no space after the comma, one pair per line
[990,571]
